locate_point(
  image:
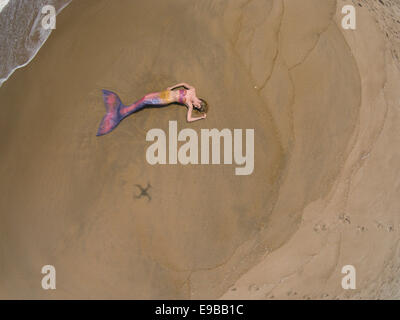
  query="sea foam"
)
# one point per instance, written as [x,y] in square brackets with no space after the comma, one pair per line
[21,32]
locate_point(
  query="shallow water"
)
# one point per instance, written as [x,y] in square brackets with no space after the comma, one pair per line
[21,33]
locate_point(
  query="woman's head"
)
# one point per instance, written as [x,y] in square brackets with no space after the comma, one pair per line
[203,106]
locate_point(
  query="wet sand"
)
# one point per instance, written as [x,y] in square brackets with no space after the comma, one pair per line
[323,194]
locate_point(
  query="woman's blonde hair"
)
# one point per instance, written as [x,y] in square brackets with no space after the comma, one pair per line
[203,106]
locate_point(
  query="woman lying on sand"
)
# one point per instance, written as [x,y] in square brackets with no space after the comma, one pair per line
[116,110]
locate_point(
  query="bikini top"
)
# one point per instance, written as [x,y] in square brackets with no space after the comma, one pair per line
[182,94]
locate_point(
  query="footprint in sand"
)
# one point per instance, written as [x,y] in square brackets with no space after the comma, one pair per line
[253,287]
[361,229]
[291,293]
[388,227]
[320,227]
[344,218]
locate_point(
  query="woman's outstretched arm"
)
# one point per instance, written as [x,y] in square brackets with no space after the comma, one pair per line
[189,117]
[182,84]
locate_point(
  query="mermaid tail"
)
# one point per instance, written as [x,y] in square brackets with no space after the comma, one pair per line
[116,110]
[112,117]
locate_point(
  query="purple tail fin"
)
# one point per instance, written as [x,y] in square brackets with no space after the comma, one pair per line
[112,118]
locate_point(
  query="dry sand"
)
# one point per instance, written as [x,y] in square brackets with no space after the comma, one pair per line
[324,193]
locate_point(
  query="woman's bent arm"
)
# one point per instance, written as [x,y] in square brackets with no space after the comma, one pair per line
[189,117]
[182,84]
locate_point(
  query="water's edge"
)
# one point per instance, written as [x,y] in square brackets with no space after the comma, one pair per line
[22,34]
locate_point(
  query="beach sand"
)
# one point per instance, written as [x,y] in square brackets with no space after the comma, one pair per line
[324,193]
